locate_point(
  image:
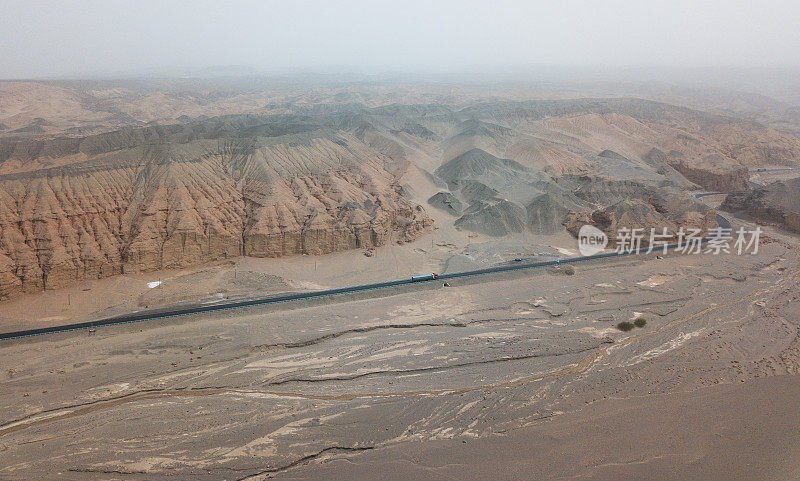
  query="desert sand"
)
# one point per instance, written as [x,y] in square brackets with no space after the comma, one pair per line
[123,196]
[506,360]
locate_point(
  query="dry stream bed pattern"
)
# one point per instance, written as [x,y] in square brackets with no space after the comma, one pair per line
[250,395]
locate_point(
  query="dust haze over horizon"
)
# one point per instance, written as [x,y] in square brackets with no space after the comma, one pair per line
[93,38]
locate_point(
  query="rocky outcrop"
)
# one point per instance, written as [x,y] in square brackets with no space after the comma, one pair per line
[446,202]
[610,154]
[777,203]
[638,214]
[315,175]
[659,161]
[714,177]
[710,150]
[141,207]
[545,214]
[479,165]
[495,219]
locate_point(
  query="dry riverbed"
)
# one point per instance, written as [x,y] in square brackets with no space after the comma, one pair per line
[505,360]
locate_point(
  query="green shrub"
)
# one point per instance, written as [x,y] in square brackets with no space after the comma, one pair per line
[640,322]
[625,326]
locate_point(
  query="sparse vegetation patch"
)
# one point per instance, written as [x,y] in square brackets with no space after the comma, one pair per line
[625,326]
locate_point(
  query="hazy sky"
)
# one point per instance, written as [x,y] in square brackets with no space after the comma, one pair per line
[74,38]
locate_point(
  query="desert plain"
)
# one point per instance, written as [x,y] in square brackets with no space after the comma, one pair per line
[222,192]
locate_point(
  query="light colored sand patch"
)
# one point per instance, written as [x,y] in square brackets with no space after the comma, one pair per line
[200,371]
[35,419]
[655,280]
[443,304]
[266,445]
[52,319]
[664,348]
[597,333]
[256,395]
[283,364]
[466,406]
[494,335]
[109,389]
[403,352]
[305,285]
[566,252]
[152,463]
[415,342]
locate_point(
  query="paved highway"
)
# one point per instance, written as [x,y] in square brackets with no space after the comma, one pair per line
[151,314]
[706,194]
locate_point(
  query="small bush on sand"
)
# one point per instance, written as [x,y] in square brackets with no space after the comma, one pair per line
[640,322]
[625,326]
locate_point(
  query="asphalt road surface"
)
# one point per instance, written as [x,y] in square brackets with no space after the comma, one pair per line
[196,308]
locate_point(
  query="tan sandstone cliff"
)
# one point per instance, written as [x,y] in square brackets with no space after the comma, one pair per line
[178,199]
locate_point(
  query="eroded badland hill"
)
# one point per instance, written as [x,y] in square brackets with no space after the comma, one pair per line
[337,170]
